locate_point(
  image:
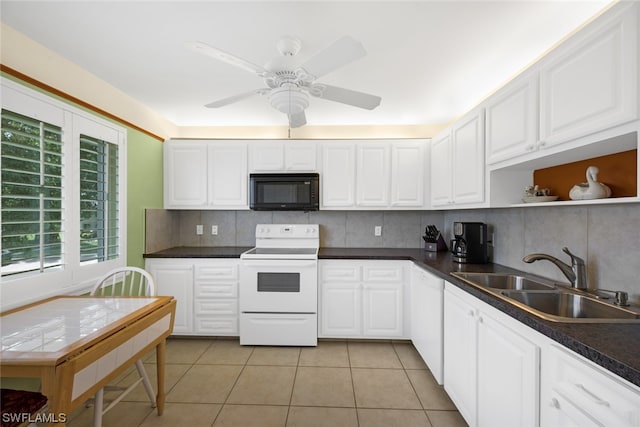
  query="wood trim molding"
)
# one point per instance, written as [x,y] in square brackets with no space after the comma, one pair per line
[66,96]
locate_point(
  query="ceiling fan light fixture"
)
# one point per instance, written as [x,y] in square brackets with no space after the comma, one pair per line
[289,99]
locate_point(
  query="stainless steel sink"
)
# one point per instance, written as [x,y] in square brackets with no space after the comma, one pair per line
[504,281]
[546,300]
[567,305]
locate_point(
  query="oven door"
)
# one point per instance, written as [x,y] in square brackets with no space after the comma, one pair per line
[278,286]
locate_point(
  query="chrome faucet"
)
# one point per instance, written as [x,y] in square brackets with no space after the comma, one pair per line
[576,272]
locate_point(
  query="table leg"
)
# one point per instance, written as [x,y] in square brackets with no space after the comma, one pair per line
[160,358]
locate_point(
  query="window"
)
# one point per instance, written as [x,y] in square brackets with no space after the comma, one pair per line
[98,200]
[62,196]
[31,158]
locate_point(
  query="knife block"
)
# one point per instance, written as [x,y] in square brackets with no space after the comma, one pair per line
[437,246]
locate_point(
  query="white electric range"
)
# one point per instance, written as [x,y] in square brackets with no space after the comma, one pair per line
[279,286]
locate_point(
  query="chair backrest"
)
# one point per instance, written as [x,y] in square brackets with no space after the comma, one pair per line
[125,281]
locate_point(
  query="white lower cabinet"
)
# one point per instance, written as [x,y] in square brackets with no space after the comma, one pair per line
[427,295]
[576,392]
[491,371]
[206,291]
[360,299]
[216,297]
[175,277]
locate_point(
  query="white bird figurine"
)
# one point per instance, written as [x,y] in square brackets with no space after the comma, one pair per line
[592,189]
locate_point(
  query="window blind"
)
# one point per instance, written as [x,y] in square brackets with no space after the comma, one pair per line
[99,209]
[32,199]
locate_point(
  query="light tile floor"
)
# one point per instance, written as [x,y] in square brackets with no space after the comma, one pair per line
[217,382]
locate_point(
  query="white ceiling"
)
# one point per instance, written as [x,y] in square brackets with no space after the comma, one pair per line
[430,61]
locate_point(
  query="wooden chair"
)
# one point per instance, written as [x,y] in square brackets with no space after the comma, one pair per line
[20,407]
[124,281]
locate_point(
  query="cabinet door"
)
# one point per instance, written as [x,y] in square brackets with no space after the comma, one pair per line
[441,175]
[266,156]
[340,310]
[589,83]
[372,182]
[460,344]
[407,174]
[176,280]
[228,176]
[427,319]
[338,175]
[300,156]
[382,310]
[467,138]
[508,376]
[185,174]
[512,119]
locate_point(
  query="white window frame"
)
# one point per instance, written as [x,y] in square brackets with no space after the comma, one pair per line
[25,288]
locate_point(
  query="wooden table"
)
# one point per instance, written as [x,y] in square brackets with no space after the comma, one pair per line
[77,345]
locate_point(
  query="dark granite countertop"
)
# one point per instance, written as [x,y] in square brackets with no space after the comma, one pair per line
[614,346]
[199,252]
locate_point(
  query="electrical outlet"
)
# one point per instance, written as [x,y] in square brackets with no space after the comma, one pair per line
[214,230]
[199,230]
[377,230]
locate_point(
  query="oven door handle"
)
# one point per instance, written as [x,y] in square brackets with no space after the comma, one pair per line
[279,263]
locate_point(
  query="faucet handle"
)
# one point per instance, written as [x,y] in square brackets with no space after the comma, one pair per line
[575,260]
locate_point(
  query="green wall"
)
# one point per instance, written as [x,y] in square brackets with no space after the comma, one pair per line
[144,189]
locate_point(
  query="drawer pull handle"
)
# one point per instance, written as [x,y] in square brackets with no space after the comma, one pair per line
[595,398]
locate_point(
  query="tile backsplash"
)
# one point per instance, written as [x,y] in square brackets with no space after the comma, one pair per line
[606,236]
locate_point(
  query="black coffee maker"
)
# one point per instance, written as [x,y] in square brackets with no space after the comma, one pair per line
[470,243]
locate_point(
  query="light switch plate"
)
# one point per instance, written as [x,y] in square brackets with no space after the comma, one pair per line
[377,230]
[199,230]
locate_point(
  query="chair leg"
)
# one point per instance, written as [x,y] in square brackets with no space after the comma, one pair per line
[146,383]
[97,408]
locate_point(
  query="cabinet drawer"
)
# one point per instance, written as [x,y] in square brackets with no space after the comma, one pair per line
[223,325]
[216,290]
[340,273]
[604,397]
[216,272]
[382,273]
[217,307]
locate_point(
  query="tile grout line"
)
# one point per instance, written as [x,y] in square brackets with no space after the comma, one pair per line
[233,386]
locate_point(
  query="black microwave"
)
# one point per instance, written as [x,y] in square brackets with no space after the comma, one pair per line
[284,191]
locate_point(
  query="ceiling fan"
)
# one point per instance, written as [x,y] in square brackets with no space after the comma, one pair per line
[290,83]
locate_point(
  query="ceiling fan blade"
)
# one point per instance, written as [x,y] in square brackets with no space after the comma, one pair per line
[345,96]
[235,98]
[338,54]
[297,120]
[229,58]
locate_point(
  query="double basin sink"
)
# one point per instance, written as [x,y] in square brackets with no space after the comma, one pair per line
[547,300]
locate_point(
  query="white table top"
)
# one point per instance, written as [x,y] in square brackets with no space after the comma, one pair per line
[58,323]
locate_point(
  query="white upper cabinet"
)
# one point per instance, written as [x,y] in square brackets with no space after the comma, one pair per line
[283,156]
[205,175]
[228,178]
[467,138]
[372,175]
[511,119]
[376,174]
[408,183]
[300,156]
[441,169]
[458,163]
[185,175]
[590,82]
[338,174]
